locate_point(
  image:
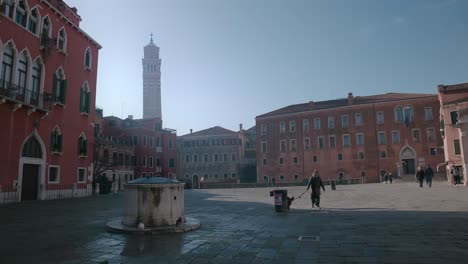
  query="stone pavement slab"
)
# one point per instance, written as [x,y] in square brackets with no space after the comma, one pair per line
[371,223]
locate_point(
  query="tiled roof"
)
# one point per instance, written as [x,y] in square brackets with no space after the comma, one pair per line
[461,87]
[217,130]
[357,100]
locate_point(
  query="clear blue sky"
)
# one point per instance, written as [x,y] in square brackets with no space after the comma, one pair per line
[226,61]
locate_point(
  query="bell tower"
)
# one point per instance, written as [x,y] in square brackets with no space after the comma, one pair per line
[151,81]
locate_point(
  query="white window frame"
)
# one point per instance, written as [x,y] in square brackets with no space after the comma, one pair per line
[427,132]
[264,146]
[292,126]
[323,141]
[357,139]
[428,110]
[343,123]
[187,158]
[64,49]
[317,124]
[305,125]
[282,127]
[356,115]
[343,138]
[306,146]
[293,145]
[263,129]
[88,51]
[384,138]
[419,135]
[285,146]
[363,155]
[331,122]
[329,141]
[58,174]
[398,133]
[378,119]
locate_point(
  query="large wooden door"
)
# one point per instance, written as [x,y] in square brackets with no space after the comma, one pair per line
[30,182]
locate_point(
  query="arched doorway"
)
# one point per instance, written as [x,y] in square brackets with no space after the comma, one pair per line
[408,160]
[195,182]
[31,168]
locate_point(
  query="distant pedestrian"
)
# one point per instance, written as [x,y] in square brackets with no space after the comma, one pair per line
[390,177]
[420,176]
[386,177]
[315,182]
[428,174]
[273,181]
[456,175]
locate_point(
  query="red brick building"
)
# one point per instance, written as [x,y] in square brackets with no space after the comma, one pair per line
[154,147]
[352,138]
[47,95]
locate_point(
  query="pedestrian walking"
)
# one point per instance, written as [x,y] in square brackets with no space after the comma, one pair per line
[386,177]
[273,181]
[456,175]
[315,182]
[428,174]
[390,177]
[420,176]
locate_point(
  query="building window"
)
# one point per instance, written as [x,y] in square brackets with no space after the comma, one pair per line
[331,122]
[46,34]
[170,143]
[143,162]
[56,141]
[380,117]
[344,121]
[340,156]
[87,58]
[171,163]
[381,138]
[82,145]
[233,175]
[305,125]
[8,7]
[35,82]
[433,151]
[363,174]
[281,161]
[216,157]
[283,145]
[62,40]
[281,177]
[264,147]
[296,177]
[428,113]
[293,145]
[396,137]
[264,162]
[151,162]
[295,160]
[358,118]
[195,158]
[282,127]
[292,126]
[151,141]
[361,155]
[317,123]
[135,140]
[346,140]
[359,139]
[59,88]
[321,143]
[454,117]
[314,159]
[225,157]
[54,174]
[22,73]
[21,13]
[332,140]
[408,112]
[144,141]
[263,129]
[383,154]
[431,134]
[205,157]
[398,114]
[456,147]
[233,156]
[85,98]
[81,175]
[416,136]
[306,144]
[187,158]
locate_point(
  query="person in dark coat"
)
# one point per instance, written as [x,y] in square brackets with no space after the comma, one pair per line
[386,177]
[428,174]
[390,177]
[456,175]
[315,182]
[420,176]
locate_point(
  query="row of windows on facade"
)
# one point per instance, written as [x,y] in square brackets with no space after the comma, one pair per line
[150,142]
[56,143]
[340,175]
[206,158]
[340,157]
[150,68]
[29,20]
[127,160]
[29,82]
[402,114]
[211,142]
[216,176]
[346,140]
[54,174]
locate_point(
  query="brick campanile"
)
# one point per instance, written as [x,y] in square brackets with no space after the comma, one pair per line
[151,81]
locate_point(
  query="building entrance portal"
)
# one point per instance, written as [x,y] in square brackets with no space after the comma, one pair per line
[30,182]
[408,160]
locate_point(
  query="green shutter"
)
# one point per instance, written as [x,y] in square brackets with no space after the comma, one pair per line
[85,147]
[59,143]
[63,90]
[81,100]
[88,95]
[54,88]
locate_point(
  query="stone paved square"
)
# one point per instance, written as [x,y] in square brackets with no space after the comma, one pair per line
[370,223]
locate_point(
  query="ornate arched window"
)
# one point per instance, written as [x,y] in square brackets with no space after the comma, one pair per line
[408,113]
[56,140]
[82,145]
[398,114]
[21,13]
[32,148]
[36,81]
[7,66]
[8,7]
[62,40]
[59,88]
[85,98]
[33,20]
[88,58]
[22,73]
[46,33]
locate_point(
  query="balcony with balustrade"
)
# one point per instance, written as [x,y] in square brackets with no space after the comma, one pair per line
[21,97]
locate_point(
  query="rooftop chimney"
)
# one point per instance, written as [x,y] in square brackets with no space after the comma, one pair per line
[191,131]
[130,117]
[240,127]
[350,98]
